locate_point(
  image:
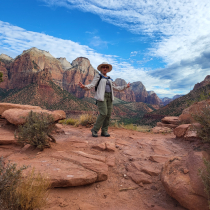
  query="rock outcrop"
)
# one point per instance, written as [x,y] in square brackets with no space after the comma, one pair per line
[81,71]
[3,69]
[65,64]
[19,116]
[127,95]
[31,61]
[196,108]
[182,182]
[205,82]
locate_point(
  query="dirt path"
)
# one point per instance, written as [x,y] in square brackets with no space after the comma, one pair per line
[133,174]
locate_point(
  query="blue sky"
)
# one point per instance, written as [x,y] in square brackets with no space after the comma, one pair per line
[165,44]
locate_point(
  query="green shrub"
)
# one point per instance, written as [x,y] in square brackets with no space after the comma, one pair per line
[205,176]
[36,131]
[203,117]
[9,179]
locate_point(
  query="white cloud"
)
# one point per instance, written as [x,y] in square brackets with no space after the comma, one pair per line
[180,29]
[16,39]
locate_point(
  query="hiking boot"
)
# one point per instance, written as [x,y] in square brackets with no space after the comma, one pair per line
[105,133]
[94,133]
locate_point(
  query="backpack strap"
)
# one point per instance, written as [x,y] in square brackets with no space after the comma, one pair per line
[98,82]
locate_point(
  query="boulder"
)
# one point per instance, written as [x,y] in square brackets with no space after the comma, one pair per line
[171,120]
[186,188]
[196,108]
[6,106]
[181,130]
[18,116]
[160,124]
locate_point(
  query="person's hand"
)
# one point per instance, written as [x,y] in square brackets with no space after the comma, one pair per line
[81,85]
[128,85]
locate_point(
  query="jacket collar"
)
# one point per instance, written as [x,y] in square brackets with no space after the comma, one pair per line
[105,77]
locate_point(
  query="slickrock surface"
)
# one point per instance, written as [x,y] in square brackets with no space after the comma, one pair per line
[19,116]
[6,106]
[187,188]
[86,178]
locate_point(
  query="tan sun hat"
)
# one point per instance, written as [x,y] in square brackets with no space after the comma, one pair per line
[104,64]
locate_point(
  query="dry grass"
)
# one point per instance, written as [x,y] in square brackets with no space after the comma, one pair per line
[69,121]
[133,127]
[32,191]
[85,120]
[18,193]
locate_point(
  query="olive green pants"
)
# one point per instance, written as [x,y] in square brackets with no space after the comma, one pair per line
[105,110]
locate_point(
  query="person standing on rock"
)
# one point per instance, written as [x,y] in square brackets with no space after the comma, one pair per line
[104,87]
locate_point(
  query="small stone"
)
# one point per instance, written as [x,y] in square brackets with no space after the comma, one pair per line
[152,205]
[141,184]
[97,186]
[186,171]
[153,187]
[131,159]
[117,146]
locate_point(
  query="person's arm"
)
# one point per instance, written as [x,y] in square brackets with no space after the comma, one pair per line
[120,88]
[92,84]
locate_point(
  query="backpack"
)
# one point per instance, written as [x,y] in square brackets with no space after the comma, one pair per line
[99,82]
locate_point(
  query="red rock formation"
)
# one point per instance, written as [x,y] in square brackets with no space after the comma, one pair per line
[3,69]
[139,91]
[127,95]
[82,71]
[32,61]
[205,82]
[153,99]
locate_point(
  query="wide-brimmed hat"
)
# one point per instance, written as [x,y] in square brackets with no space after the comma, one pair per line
[104,64]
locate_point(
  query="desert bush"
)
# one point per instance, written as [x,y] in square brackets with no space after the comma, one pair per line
[203,117]
[129,126]
[36,131]
[32,191]
[9,180]
[17,193]
[205,176]
[144,128]
[69,121]
[87,119]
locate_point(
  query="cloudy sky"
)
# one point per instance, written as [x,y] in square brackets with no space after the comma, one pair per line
[165,44]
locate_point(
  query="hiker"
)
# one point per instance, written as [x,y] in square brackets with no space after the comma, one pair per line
[104,97]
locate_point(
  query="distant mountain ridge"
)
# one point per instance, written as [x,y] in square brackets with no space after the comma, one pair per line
[201,91]
[19,73]
[167,100]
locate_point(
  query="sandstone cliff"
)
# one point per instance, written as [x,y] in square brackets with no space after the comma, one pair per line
[127,95]
[32,64]
[81,71]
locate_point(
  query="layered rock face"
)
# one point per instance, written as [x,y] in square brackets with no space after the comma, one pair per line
[127,95]
[31,61]
[65,64]
[39,66]
[4,70]
[81,71]
[139,91]
[205,82]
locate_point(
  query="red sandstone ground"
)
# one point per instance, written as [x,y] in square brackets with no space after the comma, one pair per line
[118,192]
